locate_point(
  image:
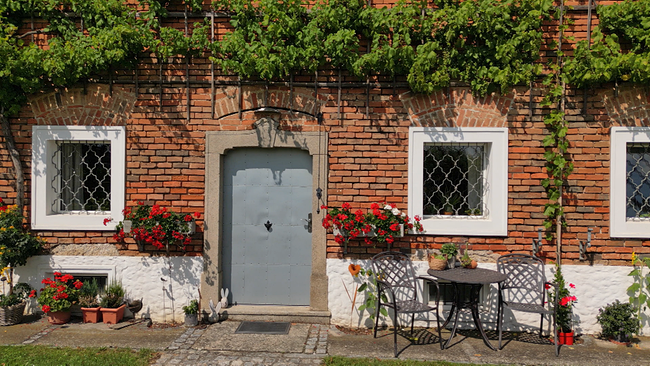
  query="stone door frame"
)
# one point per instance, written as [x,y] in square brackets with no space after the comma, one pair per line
[265,134]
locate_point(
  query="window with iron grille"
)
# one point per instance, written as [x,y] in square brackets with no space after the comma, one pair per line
[630,182]
[458,180]
[638,181]
[78,176]
[83,176]
[453,179]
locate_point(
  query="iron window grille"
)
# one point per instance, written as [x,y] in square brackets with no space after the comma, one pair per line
[454,179]
[637,181]
[82,179]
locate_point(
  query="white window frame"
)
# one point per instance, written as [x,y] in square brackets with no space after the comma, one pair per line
[619,226]
[495,223]
[44,140]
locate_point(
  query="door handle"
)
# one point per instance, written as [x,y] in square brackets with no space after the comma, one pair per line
[308,219]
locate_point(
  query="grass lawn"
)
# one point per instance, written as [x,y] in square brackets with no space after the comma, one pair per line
[51,356]
[344,361]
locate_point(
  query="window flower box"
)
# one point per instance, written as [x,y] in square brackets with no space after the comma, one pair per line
[382,224]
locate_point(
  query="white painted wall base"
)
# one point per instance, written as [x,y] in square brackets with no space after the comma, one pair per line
[596,286]
[140,276]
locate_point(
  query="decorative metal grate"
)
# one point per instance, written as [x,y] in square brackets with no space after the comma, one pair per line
[82,182]
[638,181]
[454,182]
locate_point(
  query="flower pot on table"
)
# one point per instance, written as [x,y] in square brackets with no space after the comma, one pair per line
[91,315]
[58,317]
[113,315]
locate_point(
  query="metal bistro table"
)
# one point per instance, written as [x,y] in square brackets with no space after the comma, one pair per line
[475,278]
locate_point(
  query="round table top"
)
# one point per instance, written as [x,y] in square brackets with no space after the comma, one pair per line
[466,275]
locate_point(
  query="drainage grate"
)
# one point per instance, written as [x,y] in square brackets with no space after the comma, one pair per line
[263,328]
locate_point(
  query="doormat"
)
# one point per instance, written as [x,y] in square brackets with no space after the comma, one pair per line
[248,327]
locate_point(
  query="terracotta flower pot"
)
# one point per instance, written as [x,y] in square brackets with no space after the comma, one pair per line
[565,338]
[113,316]
[58,317]
[91,315]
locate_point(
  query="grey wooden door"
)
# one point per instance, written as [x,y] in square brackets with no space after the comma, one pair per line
[274,187]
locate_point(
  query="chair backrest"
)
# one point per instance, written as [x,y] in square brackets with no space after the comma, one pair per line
[525,278]
[395,269]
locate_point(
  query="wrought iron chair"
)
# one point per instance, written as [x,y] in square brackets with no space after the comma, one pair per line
[396,278]
[524,290]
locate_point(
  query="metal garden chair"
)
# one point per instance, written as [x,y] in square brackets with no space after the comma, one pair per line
[396,279]
[524,290]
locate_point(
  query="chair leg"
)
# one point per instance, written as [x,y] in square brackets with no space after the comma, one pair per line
[412,322]
[377,318]
[442,347]
[541,324]
[555,337]
[395,322]
[500,322]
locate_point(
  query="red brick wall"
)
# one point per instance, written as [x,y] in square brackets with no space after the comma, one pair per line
[368,153]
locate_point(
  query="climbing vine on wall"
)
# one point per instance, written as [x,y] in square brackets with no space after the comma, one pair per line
[620,50]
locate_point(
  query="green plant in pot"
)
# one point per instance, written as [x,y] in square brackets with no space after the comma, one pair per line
[619,321]
[90,309]
[191,313]
[112,303]
[450,250]
[17,244]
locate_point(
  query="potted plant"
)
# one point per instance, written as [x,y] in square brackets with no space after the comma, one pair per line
[58,295]
[90,310]
[619,321]
[565,304]
[17,244]
[13,305]
[437,262]
[156,226]
[450,250]
[191,313]
[112,303]
[468,262]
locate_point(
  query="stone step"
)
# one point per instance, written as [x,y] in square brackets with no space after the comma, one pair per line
[293,314]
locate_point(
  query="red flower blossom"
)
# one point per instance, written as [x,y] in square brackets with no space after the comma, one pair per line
[107,220]
[323,207]
[345,206]
[390,239]
[46,309]
[188,218]
[394,226]
[33,293]
[339,239]
[197,214]
[78,284]
[374,206]
[547,286]
[572,285]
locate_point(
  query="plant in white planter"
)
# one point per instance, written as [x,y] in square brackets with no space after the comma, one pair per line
[191,313]
[382,224]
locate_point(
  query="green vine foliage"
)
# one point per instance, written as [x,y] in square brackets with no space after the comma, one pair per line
[113,35]
[620,49]
[489,44]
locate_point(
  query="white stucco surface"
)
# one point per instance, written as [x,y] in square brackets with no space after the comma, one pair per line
[142,278]
[596,286]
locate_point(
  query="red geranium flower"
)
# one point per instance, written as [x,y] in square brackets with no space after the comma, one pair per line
[46,309]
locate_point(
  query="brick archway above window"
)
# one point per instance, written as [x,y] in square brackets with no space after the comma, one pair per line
[629,106]
[457,107]
[95,106]
[253,97]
